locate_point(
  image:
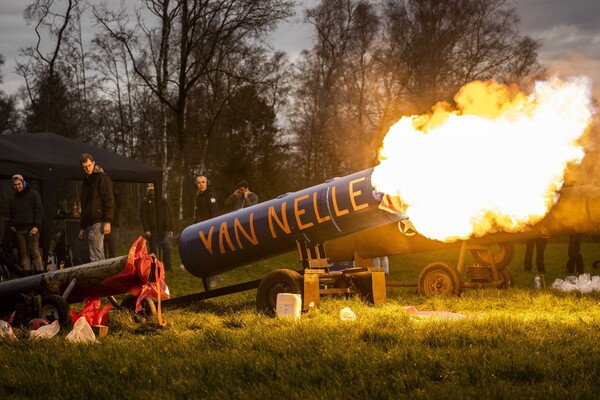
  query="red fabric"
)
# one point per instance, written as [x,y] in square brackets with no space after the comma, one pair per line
[11,318]
[135,276]
[92,312]
[392,204]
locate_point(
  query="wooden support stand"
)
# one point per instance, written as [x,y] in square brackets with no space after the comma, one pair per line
[366,280]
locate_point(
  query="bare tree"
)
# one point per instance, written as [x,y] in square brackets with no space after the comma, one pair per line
[441,45]
[202,34]
[331,108]
[40,73]
[8,113]
[371,65]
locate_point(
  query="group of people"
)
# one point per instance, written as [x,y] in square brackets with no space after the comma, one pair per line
[159,233]
[26,215]
[98,213]
[574,261]
[207,205]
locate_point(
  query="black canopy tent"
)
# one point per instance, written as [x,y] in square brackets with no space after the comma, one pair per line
[50,158]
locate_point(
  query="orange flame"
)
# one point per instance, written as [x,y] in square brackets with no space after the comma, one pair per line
[496,163]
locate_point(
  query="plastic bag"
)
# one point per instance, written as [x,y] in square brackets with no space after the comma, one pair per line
[346,314]
[584,283]
[6,331]
[557,284]
[572,279]
[46,331]
[82,332]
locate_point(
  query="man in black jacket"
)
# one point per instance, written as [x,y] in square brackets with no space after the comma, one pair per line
[157,235]
[25,219]
[97,206]
[207,206]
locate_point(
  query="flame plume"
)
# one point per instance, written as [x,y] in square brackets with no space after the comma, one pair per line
[495,163]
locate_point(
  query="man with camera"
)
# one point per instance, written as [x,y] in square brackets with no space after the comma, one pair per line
[242,197]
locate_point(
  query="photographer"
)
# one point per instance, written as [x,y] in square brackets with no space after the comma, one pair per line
[242,197]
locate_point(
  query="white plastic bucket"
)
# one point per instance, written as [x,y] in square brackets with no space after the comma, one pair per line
[289,305]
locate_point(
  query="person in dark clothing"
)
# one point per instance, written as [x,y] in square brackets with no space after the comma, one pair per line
[207,206]
[97,206]
[575,261]
[26,214]
[540,245]
[157,235]
[111,240]
[242,197]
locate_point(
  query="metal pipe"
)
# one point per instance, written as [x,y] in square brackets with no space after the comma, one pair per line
[88,277]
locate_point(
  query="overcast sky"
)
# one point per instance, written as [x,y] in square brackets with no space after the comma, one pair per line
[569,30]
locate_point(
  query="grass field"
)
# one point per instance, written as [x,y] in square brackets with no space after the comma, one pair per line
[529,344]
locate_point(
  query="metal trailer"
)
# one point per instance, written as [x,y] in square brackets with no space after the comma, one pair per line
[302,220]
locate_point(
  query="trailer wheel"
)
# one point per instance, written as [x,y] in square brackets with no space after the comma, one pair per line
[503,255]
[148,306]
[54,307]
[507,277]
[439,278]
[278,281]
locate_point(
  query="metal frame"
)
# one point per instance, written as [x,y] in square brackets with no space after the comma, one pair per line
[460,267]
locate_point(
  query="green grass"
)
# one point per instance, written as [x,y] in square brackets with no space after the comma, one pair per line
[529,344]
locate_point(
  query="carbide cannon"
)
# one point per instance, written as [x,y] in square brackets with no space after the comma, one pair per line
[303,220]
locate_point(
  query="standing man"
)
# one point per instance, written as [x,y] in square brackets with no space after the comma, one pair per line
[157,235]
[539,244]
[25,211]
[575,261]
[111,240]
[207,206]
[97,206]
[242,197]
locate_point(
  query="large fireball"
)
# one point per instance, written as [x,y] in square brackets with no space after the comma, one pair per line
[495,163]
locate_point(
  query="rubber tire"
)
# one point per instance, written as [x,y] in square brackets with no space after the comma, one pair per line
[148,306]
[275,282]
[502,257]
[508,280]
[439,278]
[55,307]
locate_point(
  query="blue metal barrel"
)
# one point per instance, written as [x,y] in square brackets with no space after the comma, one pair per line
[336,208]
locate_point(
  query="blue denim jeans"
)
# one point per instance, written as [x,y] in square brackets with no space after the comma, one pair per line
[95,234]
